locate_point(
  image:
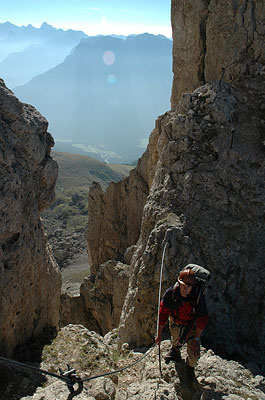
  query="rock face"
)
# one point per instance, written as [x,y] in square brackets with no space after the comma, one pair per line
[72,311]
[114,216]
[103,295]
[30,280]
[114,221]
[209,35]
[208,191]
[206,188]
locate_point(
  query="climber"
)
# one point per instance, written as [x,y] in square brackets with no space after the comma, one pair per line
[187,319]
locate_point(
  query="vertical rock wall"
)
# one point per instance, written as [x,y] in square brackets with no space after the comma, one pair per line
[114,223]
[209,35]
[103,295]
[208,193]
[30,280]
[114,216]
[206,188]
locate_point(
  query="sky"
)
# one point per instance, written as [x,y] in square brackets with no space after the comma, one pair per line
[121,17]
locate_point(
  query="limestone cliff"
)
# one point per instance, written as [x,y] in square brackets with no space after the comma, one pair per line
[209,35]
[114,216]
[207,189]
[30,280]
[208,192]
[103,295]
[114,222]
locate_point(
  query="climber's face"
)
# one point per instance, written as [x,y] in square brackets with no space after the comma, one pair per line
[185,289]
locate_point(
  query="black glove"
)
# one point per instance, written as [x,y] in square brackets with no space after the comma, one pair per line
[195,347]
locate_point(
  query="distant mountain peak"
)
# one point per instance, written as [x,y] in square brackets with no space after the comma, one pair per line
[46,25]
[29,27]
[7,23]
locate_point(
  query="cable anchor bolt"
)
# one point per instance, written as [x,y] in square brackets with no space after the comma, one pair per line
[72,379]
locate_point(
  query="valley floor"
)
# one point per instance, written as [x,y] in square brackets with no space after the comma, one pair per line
[74,273]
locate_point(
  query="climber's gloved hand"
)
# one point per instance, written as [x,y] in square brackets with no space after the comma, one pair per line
[195,347]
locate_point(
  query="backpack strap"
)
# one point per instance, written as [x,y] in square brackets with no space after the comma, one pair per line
[174,299]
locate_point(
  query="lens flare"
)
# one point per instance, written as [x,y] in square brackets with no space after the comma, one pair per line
[111,79]
[109,57]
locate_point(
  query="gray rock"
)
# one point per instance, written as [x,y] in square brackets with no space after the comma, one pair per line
[58,391]
[213,43]
[216,378]
[30,279]
[104,295]
[103,389]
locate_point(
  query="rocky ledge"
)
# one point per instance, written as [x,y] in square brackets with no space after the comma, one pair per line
[91,354]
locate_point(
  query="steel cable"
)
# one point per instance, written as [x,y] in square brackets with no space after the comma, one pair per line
[31,367]
[121,369]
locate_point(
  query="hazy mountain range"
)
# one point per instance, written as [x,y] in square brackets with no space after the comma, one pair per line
[27,51]
[102,99]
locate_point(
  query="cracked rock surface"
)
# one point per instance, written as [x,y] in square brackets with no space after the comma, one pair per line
[30,280]
[91,354]
[209,35]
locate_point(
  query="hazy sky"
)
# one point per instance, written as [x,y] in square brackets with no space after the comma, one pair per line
[92,16]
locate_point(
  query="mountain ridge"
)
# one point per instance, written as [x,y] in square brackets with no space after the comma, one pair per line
[112,90]
[78,171]
[35,50]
